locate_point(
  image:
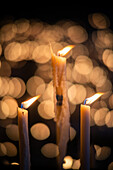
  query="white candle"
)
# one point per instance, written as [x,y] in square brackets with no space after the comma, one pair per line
[24,148]
[61,105]
[85,137]
[85,132]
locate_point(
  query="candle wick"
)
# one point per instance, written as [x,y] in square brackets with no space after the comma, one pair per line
[85,101]
[58,54]
[21,105]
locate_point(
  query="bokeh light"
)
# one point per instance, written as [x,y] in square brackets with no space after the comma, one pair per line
[40,131]
[50,150]
[12,132]
[102,153]
[11,149]
[68,160]
[25,71]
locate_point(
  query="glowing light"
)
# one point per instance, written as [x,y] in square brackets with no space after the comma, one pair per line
[50,150]
[76,94]
[72,133]
[11,149]
[100,116]
[83,65]
[102,153]
[27,103]
[76,164]
[14,163]
[93,98]
[40,131]
[46,109]
[68,161]
[65,50]
[12,132]
[77,34]
[3,150]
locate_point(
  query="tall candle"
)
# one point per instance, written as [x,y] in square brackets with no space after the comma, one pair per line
[24,148]
[61,105]
[85,137]
[85,132]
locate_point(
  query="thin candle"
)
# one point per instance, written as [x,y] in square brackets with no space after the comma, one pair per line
[24,148]
[85,131]
[61,105]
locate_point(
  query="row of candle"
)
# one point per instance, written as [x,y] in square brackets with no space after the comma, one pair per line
[61,107]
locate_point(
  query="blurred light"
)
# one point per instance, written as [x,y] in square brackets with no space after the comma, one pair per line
[50,150]
[83,65]
[106,87]
[48,93]
[14,163]
[109,119]
[44,71]
[13,51]
[0,49]
[76,94]
[46,109]
[99,104]
[3,150]
[77,34]
[102,153]
[80,78]
[7,33]
[21,26]
[92,113]
[34,84]
[110,166]
[4,110]
[40,131]
[72,133]
[98,77]
[51,33]
[11,149]
[5,69]
[68,161]
[16,87]
[4,86]
[99,20]
[72,108]
[12,132]
[100,115]
[11,108]
[36,28]
[76,164]
[111,101]
[81,50]
[41,54]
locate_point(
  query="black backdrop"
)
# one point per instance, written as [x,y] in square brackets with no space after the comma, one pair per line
[51,14]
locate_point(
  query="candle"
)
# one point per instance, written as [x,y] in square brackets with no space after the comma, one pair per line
[24,149]
[85,132]
[61,105]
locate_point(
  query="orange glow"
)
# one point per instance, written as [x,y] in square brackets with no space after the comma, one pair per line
[27,103]
[93,98]
[65,50]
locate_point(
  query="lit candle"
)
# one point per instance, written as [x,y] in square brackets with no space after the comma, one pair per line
[24,149]
[85,132]
[61,105]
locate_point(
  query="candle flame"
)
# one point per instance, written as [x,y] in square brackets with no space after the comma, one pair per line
[27,103]
[65,50]
[93,98]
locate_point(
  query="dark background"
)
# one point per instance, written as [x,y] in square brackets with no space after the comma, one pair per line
[51,14]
